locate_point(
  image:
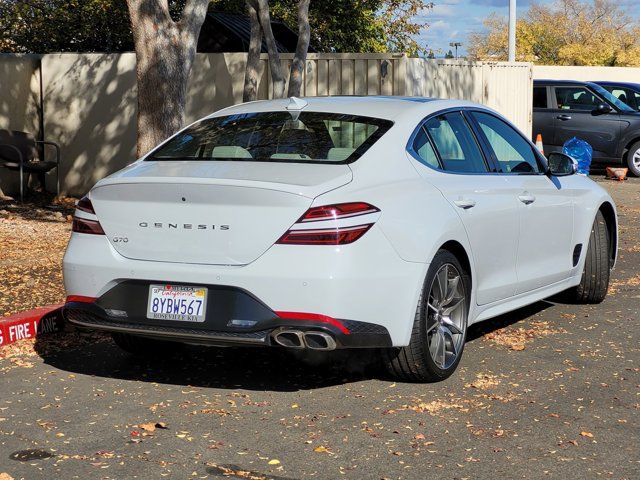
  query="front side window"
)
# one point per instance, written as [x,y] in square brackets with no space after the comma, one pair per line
[576,98]
[300,137]
[456,145]
[539,97]
[513,152]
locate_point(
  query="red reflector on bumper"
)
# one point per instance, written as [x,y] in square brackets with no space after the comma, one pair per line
[80,299]
[314,317]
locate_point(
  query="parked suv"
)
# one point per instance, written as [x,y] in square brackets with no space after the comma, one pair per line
[564,109]
[626,92]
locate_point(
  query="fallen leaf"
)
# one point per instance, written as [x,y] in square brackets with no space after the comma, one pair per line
[148,427]
[275,461]
[321,449]
[586,434]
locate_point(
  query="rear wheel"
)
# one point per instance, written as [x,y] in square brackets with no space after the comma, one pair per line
[144,346]
[594,283]
[439,327]
[633,159]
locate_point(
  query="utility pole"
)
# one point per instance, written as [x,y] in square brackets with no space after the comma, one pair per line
[512,30]
[455,45]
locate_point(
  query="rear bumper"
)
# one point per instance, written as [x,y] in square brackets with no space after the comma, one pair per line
[123,309]
[366,282]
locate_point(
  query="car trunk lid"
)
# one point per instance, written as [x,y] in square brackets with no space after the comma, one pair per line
[218,213]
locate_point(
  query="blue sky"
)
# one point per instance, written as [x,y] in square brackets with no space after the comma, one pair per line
[454,20]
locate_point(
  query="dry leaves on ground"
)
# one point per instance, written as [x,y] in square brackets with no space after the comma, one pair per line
[33,242]
[617,285]
[517,338]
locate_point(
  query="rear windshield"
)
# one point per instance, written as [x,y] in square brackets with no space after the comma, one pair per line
[300,137]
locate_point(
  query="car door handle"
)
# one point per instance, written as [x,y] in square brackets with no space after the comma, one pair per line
[465,204]
[564,118]
[526,198]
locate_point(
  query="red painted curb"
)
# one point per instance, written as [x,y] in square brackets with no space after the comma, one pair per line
[30,323]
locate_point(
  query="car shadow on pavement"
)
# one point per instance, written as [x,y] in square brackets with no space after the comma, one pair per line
[249,368]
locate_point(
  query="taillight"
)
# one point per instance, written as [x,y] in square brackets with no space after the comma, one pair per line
[85,225]
[332,225]
[340,210]
[85,205]
[328,236]
[82,225]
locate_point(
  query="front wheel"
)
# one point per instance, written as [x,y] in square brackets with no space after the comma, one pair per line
[439,327]
[633,159]
[594,282]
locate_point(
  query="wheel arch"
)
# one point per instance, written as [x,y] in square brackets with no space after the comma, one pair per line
[627,148]
[460,252]
[609,214]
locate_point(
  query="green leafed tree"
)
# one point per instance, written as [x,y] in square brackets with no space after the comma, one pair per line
[43,26]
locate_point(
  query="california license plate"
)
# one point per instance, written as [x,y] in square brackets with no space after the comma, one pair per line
[177,302]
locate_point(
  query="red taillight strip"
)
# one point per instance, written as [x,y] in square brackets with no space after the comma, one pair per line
[337,211]
[82,225]
[328,236]
[314,317]
[80,299]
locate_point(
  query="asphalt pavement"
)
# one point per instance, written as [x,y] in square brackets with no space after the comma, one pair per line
[552,390]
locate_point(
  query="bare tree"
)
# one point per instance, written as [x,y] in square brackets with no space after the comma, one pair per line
[277,75]
[165,50]
[300,58]
[260,19]
[250,91]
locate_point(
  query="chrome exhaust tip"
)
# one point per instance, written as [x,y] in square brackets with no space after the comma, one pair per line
[319,341]
[290,338]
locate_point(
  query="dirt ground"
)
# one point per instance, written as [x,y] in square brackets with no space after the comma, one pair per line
[552,390]
[32,240]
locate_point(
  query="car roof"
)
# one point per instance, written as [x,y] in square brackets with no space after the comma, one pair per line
[541,82]
[376,106]
[619,84]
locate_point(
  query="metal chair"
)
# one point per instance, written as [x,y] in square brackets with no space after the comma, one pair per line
[19,152]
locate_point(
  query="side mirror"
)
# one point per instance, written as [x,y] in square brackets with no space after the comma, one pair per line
[561,165]
[602,109]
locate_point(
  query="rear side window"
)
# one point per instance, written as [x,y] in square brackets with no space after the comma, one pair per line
[455,144]
[300,137]
[514,153]
[539,97]
[423,148]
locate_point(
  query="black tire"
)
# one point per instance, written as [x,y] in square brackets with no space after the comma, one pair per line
[634,166]
[597,266]
[147,347]
[414,362]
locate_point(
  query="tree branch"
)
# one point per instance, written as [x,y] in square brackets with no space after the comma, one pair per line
[302,47]
[193,16]
[277,76]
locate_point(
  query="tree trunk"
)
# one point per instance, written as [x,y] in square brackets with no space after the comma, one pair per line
[300,58]
[277,75]
[165,51]
[250,91]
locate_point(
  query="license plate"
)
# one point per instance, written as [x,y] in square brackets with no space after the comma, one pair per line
[177,302]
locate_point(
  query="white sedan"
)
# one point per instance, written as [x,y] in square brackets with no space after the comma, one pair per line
[340,222]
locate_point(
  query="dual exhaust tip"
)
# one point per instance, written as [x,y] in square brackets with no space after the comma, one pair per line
[299,339]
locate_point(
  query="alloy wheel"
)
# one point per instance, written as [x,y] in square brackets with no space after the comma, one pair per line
[636,158]
[446,316]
